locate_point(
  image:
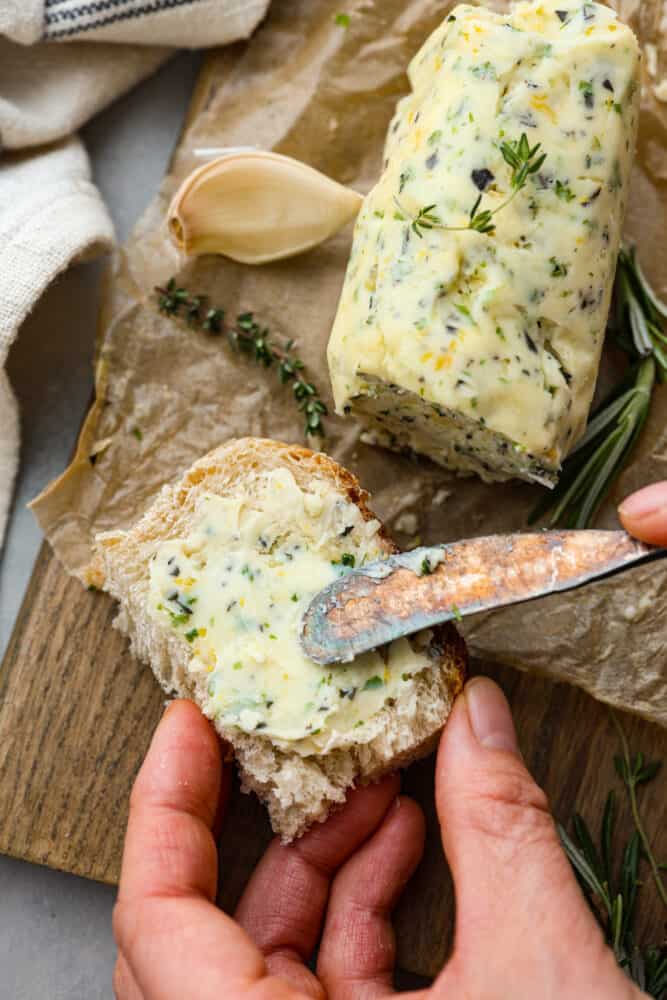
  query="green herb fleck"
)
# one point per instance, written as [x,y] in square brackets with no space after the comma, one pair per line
[456,613]
[342,20]
[237,666]
[137,433]
[435,137]
[426,567]
[407,175]
[192,634]
[586,88]
[295,598]
[564,192]
[558,268]
[372,683]
[347,559]
[484,71]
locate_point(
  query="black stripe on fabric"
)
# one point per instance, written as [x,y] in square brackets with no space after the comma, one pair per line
[79,10]
[156,7]
[95,7]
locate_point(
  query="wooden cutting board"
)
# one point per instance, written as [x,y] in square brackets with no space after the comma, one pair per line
[77,713]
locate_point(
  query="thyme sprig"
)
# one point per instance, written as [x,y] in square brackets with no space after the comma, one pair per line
[611,883]
[598,459]
[426,218]
[521,157]
[253,340]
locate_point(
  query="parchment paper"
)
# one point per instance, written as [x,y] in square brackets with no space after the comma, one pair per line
[312,89]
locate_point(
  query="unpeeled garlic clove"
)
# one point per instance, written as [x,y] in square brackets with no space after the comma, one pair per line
[257,207]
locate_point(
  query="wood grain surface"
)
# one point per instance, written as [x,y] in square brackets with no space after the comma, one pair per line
[77,713]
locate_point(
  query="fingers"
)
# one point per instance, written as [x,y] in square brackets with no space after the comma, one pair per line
[358,949]
[283,905]
[124,984]
[165,923]
[168,845]
[515,891]
[644,514]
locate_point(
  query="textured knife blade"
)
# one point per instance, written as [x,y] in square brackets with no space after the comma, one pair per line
[414,590]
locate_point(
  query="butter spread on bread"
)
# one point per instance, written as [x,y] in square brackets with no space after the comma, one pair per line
[236,588]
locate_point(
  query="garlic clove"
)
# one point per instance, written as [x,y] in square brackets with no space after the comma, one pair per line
[256,207]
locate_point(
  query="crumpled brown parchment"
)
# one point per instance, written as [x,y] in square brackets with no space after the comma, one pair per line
[324,93]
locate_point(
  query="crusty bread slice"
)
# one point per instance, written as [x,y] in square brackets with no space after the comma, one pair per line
[298,790]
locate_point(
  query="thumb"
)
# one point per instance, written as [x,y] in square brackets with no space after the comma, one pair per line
[515,891]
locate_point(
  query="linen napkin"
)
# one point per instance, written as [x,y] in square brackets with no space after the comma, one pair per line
[61,61]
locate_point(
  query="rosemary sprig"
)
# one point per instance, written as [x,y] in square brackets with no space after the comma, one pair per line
[634,771]
[523,159]
[249,338]
[612,886]
[598,459]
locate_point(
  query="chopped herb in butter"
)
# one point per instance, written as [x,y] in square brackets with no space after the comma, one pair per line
[513,227]
[235,589]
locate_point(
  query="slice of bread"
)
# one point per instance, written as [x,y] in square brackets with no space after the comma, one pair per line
[300,783]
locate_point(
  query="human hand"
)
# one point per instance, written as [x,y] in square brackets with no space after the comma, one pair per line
[523,929]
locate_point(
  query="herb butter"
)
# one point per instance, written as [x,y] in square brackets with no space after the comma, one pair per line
[481,348]
[236,588]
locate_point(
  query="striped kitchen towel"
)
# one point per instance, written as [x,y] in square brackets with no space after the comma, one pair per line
[61,61]
[176,23]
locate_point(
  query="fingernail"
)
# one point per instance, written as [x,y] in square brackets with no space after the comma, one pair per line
[490,715]
[646,502]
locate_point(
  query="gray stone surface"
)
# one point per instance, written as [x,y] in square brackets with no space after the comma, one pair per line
[55,930]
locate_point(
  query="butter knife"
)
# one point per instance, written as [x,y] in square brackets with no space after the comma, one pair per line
[414,590]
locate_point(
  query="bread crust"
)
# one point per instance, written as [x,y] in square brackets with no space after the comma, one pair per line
[298,790]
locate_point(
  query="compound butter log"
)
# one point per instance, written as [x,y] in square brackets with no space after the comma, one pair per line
[481,349]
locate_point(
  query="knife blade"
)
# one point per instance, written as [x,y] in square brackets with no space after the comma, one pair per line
[430,585]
